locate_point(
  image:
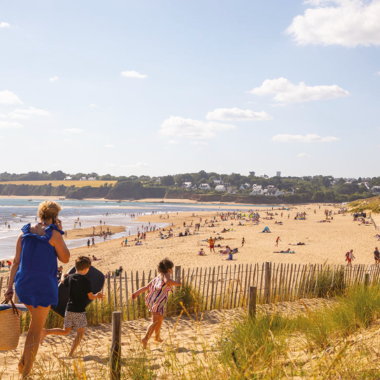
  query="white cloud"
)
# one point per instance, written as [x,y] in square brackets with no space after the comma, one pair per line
[94,105]
[303,139]
[53,79]
[25,113]
[109,146]
[173,142]
[136,165]
[194,129]
[72,130]
[236,114]
[9,124]
[338,22]
[303,155]
[5,25]
[9,98]
[378,73]
[287,92]
[198,143]
[133,74]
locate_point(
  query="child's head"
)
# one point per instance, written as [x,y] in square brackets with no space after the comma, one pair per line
[165,266]
[82,263]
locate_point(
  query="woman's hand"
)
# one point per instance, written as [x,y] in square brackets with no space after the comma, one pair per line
[134,295]
[59,223]
[8,295]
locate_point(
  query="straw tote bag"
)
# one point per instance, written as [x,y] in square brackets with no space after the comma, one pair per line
[9,328]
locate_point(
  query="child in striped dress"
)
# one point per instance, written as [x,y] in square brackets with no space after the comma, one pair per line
[157,298]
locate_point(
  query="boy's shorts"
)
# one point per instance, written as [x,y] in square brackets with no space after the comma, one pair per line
[78,320]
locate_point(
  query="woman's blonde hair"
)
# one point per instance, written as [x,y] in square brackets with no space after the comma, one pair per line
[48,210]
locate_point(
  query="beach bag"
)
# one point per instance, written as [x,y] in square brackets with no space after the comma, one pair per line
[9,328]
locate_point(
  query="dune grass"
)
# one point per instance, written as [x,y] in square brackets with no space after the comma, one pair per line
[324,343]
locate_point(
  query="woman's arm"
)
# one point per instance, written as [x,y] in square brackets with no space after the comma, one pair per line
[15,265]
[60,247]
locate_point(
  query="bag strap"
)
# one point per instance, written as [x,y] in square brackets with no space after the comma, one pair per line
[14,308]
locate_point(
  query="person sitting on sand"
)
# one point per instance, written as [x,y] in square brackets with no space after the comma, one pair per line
[229,257]
[202,252]
[94,258]
[157,298]
[75,314]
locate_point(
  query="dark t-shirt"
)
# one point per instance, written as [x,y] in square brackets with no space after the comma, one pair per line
[377,254]
[79,286]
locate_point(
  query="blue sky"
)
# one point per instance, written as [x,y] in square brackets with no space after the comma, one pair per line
[162,87]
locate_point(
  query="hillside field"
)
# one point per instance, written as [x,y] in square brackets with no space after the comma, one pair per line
[59,183]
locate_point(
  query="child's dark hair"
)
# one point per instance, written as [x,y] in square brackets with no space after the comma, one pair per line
[82,262]
[164,266]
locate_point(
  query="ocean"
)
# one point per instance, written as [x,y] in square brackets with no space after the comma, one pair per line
[15,213]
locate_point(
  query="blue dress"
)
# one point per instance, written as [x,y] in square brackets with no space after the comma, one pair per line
[36,278]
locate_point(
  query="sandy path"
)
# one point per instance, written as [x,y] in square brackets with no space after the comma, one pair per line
[186,340]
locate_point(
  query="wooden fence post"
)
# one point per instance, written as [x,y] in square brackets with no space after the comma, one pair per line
[115,357]
[267,283]
[366,280]
[177,273]
[252,301]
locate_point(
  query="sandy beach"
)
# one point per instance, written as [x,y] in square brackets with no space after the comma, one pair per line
[325,242]
[79,233]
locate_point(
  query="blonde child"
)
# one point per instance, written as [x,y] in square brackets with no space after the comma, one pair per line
[157,298]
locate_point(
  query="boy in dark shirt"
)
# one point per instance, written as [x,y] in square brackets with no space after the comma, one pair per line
[75,315]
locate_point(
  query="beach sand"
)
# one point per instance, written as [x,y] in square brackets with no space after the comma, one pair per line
[326,242]
[79,233]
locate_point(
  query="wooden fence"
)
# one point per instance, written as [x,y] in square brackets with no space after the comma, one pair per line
[227,287]
[377,228]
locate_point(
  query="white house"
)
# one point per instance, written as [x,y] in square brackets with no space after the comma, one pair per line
[91,179]
[68,178]
[204,186]
[83,179]
[218,181]
[263,176]
[256,190]
[376,190]
[244,186]
[272,191]
[220,188]
[187,185]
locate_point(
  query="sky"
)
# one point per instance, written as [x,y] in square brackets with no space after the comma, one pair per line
[165,87]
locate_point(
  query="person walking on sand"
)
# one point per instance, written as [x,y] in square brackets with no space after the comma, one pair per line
[376,256]
[349,257]
[157,298]
[34,273]
[75,314]
[242,242]
[211,243]
[277,240]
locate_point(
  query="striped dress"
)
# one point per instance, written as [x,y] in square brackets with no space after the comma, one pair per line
[158,295]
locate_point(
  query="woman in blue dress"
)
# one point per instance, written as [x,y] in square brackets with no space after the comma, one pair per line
[34,273]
